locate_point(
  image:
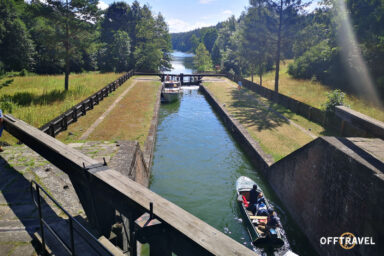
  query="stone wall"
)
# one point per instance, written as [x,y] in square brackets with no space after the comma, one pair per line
[151,138]
[335,185]
[129,161]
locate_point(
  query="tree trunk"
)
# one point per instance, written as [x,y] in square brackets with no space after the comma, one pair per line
[252,75]
[66,83]
[278,47]
[261,79]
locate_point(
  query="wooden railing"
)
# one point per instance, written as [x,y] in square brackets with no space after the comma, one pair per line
[61,122]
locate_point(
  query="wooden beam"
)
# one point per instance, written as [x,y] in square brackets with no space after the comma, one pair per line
[127,196]
[189,75]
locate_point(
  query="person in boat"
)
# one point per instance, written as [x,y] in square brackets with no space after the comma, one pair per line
[167,78]
[259,202]
[260,198]
[273,221]
[253,195]
[262,210]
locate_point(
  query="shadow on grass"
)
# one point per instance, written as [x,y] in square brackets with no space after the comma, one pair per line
[6,83]
[23,214]
[264,116]
[27,98]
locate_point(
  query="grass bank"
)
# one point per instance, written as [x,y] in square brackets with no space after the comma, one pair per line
[38,99]
[129,120]
[314,93]
[278,130]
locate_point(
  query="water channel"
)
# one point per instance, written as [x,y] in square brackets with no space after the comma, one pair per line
[196,164]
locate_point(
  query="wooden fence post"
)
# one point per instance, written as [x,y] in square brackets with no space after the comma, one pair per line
[64,122]
[74,114]
[83,109]
[52,130]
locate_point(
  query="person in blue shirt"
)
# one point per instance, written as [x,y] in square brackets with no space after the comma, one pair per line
[273,221]
[262,210]
[1,126]
[240,85]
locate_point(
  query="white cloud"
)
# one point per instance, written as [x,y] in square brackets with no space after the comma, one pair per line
[102,5]
[227,12]
[206,1]
[311,7]
[177,25]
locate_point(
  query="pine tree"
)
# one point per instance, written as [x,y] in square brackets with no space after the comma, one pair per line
[76,19]
[202,59]
[284,17]
[256,44]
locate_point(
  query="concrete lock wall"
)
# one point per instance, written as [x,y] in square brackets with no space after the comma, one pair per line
[331,187]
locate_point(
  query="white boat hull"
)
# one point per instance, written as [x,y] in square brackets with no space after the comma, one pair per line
[170,96]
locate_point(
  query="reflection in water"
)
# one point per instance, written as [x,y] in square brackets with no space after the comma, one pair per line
[182,63]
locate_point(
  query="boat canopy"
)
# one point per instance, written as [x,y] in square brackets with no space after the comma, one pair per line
[244,184]
[171,84]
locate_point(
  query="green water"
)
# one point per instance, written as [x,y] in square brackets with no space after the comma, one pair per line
[196,164]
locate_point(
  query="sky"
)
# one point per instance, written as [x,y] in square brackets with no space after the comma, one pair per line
[186,15]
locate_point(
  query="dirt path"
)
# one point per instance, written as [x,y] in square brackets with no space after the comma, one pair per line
[105,114]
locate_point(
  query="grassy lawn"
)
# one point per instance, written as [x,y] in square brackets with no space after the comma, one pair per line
[38,99]
[129,120]
[275,134]
[314,93]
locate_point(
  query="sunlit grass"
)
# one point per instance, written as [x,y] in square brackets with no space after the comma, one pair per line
[276,136]
[314,93]
[38,99]
[131,119]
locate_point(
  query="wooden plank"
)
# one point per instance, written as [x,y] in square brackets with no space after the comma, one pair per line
[127,195]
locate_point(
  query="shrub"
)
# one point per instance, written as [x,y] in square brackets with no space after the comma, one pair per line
[335,98]
[6,105]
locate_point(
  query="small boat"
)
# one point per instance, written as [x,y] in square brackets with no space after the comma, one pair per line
[271,236]
[171,91]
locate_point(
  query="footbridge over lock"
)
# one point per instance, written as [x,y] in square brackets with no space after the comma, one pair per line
[185,79]
[148,217]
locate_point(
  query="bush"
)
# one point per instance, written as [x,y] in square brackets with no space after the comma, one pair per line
[23,72]
[6,105]
[335,98]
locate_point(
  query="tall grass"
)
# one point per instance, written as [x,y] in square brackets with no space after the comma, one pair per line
[38,99]
[314,93]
